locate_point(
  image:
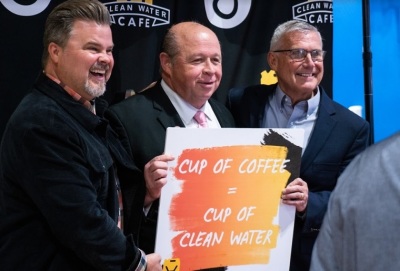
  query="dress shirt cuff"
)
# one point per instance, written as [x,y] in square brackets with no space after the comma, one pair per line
[142,266]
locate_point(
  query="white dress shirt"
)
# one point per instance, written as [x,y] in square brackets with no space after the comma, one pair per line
[187,111]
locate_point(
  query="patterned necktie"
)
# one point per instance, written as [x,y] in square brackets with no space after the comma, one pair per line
[201,119]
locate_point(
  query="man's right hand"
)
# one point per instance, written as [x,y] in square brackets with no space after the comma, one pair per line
[155,175]
[153,262]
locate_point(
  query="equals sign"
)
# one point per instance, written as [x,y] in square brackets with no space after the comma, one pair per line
[232,190]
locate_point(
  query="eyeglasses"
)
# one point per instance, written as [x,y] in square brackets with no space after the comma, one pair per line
[300,54]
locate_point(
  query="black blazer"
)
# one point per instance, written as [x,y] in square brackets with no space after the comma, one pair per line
[338,136]
[141,121]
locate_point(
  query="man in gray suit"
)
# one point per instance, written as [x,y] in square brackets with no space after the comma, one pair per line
[191,72]
[359,228]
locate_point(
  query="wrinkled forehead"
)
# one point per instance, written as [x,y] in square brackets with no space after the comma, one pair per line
[299,39]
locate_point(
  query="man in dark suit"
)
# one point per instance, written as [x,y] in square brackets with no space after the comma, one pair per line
[333,134]
[191,72]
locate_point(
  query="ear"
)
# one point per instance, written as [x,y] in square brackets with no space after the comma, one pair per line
[54,52]
[272,60]
[165,62]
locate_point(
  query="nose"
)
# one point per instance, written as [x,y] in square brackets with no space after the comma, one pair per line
[308,60]
[208,67]
[106,57]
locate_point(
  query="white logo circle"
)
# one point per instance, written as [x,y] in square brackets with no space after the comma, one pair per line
[227,13]
[25,10]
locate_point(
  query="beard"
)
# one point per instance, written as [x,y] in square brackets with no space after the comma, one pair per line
[95,90]
[93,87]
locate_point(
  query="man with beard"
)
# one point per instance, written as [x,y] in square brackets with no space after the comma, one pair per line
[60,200]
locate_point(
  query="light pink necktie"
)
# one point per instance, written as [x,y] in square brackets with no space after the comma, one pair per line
[201,119]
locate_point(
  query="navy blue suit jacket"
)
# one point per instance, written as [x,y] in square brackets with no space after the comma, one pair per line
[338,136]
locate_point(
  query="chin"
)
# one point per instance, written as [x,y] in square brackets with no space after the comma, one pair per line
[310,86]
[95,91]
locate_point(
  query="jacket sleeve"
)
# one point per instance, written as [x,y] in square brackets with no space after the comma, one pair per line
[318,201]
[67,177]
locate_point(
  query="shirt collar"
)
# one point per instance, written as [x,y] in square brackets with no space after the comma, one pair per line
[86,103]
[55,92]
[309,106]
[185,110]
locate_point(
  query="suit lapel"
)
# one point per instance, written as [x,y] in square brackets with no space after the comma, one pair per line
[168,116]
[322,129]
[256,105]
[223,121]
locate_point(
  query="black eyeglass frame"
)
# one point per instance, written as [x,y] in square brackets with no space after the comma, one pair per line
[322,54]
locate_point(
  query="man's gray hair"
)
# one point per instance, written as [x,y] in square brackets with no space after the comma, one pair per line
[288,27]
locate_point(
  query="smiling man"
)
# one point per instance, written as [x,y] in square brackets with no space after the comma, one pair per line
[333,134]
[83,62]
[62,165]
[191,71]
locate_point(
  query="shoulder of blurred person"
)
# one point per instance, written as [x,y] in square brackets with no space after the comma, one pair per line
[357,232]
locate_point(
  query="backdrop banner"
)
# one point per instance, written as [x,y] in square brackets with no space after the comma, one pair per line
[244,28]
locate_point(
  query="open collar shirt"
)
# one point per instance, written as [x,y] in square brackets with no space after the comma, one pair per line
[280,113]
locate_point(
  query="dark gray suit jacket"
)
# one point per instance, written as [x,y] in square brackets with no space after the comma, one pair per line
[338,136]
[141,121]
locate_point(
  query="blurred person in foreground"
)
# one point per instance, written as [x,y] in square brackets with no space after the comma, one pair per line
[191,72]
[62,165]
[359,229]
[333,135]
